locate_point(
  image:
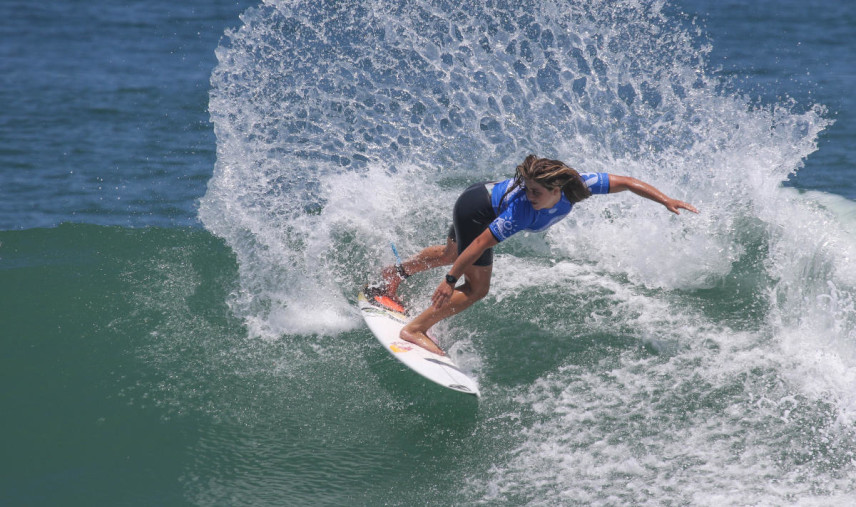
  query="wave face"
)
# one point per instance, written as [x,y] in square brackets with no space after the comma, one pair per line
[630,354]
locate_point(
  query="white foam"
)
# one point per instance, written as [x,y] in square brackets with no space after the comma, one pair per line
[699,428]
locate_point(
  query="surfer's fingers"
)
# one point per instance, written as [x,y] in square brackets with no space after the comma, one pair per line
[688,206]
[440,297]
[676,205]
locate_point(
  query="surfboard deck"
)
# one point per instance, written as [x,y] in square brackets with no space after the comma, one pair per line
[385,324]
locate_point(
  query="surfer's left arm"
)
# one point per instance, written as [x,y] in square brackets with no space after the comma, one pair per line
[640,188]
[469,256]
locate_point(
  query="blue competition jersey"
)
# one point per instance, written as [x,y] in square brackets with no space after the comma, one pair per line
[515,213]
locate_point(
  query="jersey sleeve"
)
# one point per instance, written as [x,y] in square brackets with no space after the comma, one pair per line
[502,227]
[597,183]
[511,221]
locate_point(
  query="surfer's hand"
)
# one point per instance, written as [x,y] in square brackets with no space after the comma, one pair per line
[673,205]
[442,295]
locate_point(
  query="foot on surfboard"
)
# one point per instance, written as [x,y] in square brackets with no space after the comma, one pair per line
[422,340]
[433,338]
[377,295]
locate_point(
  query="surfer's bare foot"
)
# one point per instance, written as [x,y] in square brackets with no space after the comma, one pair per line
[379,295]
[391,280]
[419,338]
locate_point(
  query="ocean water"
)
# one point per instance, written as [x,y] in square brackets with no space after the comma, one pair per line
[193,192]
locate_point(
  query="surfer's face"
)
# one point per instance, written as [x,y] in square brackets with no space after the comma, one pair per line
[540,196]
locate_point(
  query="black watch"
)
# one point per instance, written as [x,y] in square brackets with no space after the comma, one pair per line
[451,279]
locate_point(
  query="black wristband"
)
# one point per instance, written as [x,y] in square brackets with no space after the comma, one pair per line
[451,279]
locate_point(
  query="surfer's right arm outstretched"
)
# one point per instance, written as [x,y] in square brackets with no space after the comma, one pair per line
[640,188]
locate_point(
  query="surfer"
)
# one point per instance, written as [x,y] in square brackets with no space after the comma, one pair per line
[541,193]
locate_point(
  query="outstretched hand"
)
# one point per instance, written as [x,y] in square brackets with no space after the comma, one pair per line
[442,295]
[673,205]
[621,183]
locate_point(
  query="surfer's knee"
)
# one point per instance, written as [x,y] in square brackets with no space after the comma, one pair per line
[482,292]
[477,282]
[479,290]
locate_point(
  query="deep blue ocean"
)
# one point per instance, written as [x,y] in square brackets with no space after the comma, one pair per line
[192,193]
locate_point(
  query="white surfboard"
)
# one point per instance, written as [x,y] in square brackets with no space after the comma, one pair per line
[386,325]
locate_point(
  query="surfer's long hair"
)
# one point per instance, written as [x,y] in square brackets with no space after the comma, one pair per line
[550,174]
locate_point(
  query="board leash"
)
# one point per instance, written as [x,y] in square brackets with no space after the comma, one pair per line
[398,267]
[395,252]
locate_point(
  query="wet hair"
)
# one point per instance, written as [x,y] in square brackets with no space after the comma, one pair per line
[551,174]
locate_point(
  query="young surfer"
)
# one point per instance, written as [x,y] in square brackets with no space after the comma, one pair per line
[541,193]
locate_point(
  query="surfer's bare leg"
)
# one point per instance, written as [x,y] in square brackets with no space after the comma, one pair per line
[428,258]
[476,286]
